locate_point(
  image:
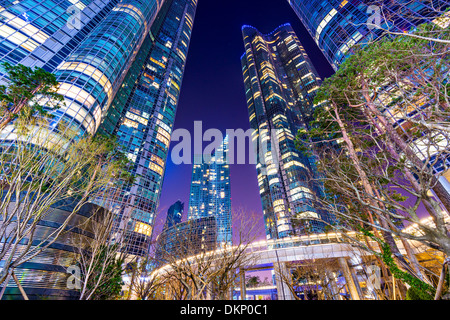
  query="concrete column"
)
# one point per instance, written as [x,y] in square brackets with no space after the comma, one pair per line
[333,286]
[242,283]
[355,279]
[282,288]
[349,279]
[167,293]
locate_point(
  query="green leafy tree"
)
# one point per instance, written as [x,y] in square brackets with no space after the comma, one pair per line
[22,100]
[105,282]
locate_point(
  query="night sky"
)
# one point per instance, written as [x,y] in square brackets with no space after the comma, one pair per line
[213,89]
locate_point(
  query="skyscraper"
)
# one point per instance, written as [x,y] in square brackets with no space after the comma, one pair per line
[210,192]
[337,25]
[142,116]
[91,73]
[174,214]
[280,85]
[90,47]
[119,65]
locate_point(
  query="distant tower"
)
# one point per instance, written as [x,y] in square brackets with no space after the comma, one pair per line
[174,214]
[280,84]
[210,193]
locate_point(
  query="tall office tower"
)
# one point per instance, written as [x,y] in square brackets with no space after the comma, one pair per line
[210,192]
[89,46]
[142,116]
[89,75]
[174,214]
[280,85]
[337,25]
[186,239]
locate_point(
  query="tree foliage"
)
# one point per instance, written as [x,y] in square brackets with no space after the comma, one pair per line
[28,90]
[105,282]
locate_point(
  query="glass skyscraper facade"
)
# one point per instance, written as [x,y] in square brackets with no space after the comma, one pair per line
[120,66]
[186,239]
[210,193]
[44,33]
[337,25]
[174,214]
[142,115]
[91,73]
[280,86]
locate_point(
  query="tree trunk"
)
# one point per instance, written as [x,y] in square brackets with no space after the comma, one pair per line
[402,145]
[387,236]
[442,279]
[4,122]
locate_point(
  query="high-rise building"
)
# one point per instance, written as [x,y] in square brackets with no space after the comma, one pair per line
[142,116]
[91,73]
[280,86]
[174,214]
[337,25]
[120,66]
[210,192]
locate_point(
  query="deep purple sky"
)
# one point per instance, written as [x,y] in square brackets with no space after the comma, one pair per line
[213,89]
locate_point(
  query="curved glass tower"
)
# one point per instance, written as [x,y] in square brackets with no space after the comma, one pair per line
[120,67]
[90,46]
[280,86]
[44,33]
[90,75]
[186,239]
[337,25]
[142,115]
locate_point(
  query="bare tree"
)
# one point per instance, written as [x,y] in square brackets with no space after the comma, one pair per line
[315,278]
[38,171]
[102,258]
[193,270]
[387,108]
